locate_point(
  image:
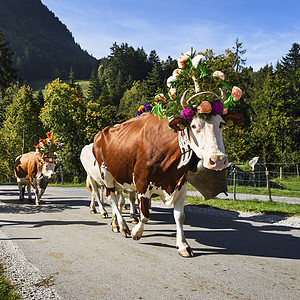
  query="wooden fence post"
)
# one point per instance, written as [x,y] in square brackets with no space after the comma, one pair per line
[297,170]
[268,184]
[234,183]
[280,173]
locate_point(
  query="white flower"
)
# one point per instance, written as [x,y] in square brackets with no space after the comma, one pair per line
[196,60]
[170,80]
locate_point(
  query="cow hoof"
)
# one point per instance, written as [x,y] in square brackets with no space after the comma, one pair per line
[93,211]
[115,229]
[186,252]
[104,215]
[37,203]
[134,219]
[125,232]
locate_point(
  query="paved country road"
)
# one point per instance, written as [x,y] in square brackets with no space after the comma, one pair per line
[237,256]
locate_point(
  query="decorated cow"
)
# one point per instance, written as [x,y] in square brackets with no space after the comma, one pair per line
[36,169]
[181,140]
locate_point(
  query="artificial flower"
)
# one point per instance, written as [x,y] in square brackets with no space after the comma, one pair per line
[196,60]
[204,108]
[160,97]
[236,93]
[172,93]
[187,113]
[219,74]
[176,73]
[217,107]
[182,60]
[170,80]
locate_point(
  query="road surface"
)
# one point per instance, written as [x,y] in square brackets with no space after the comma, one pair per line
[237,256]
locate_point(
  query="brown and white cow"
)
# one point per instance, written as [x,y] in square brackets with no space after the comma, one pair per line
[32,170]
[96,187]
[143,155]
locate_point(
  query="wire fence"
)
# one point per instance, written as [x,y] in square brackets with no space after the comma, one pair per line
[284,176]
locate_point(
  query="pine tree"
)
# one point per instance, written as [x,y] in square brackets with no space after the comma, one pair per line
[7,72]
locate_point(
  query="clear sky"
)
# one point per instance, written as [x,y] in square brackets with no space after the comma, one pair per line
[267,28]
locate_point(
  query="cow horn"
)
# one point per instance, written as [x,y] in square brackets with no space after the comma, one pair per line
[201,93]
[223,96]
[183,101]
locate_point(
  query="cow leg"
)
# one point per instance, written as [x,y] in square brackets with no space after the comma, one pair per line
[100,197]
[29,193]
[121,201]
[181,243]
[113,200]
[21,191]
[137,230]
[133,213]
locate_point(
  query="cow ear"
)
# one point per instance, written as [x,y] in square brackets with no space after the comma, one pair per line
[178,124]
[233,118]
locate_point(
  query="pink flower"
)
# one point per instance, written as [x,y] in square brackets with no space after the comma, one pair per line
[176,73]
[217,107]
[236,93]
[219,74]
[182,60]
[172,93]
[204,108]
[187,113]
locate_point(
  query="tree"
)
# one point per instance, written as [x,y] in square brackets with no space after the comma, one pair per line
[64,115]
[238,52]
[7,72]
[132,99]
[22,118]
[98,117]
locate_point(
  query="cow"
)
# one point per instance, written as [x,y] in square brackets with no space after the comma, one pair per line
[31,169]
[143,155]
[94,184]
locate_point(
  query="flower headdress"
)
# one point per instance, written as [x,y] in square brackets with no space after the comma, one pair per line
[48,147]
[208,93]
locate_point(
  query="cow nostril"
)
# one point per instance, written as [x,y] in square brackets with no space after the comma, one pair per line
[212,162]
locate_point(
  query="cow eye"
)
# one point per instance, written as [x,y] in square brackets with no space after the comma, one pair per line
[221,125]
[193,126]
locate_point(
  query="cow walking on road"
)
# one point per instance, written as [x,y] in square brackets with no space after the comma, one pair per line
[96,187]
[143,155]
[33,170]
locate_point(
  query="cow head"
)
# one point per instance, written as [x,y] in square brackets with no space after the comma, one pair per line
[47,169]
[206,136]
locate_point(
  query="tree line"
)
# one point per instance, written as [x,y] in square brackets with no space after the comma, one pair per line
[129,77]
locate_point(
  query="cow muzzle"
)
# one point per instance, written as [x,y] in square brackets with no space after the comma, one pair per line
[217,162]
[53,175]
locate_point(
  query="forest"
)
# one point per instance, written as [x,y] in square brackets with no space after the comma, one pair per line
[129,77]
[42,46]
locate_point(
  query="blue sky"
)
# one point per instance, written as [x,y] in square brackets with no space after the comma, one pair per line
[266,28]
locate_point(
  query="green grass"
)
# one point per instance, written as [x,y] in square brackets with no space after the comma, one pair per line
[7,291]
[256,206]
[40,84]
[290,187]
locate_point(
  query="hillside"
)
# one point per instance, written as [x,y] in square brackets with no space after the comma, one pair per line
[43,47]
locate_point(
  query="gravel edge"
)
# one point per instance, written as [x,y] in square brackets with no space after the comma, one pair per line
[27,278]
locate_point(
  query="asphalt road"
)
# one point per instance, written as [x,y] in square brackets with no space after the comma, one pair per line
[236,256]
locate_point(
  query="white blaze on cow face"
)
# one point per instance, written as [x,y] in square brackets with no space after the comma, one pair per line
[207,142]
[48,170]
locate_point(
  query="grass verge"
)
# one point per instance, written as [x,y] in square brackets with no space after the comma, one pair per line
[7,291]
[256,206]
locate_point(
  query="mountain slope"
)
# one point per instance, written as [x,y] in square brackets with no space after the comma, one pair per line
[43,47]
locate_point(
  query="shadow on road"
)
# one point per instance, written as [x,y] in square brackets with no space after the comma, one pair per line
[229,235]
